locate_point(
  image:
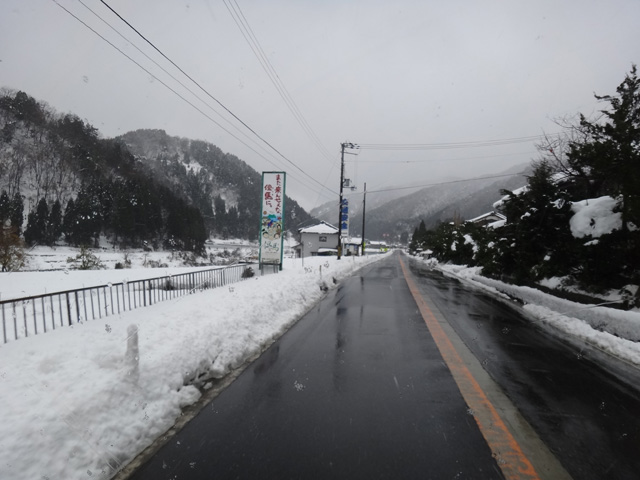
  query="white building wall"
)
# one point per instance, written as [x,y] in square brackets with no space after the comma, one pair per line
[311,242]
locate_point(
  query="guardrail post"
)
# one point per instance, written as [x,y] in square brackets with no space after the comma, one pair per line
[78,307]
[68,308]
[15,322]
[111,295]
[35,317]
[53,315]
[4,325]
[44,315]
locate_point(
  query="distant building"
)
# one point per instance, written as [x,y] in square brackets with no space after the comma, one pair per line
[352,246]
[488,218]
[373,247]
[319,239]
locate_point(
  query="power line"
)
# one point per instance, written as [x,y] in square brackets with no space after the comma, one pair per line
[169,74]
[445,159]
[252,40]
[451,145]
[445,183]
[181,96]
[211,96]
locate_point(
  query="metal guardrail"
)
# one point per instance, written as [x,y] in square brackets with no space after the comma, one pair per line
[26,316]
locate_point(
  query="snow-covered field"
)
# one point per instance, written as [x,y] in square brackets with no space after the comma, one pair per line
[80,402]
[614,331]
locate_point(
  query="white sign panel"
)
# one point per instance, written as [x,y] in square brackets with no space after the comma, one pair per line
[272,218]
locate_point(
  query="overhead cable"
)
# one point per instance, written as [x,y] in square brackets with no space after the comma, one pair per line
[445,183]
[426,160]
[451,145]
[241,132]
[181,96]
[252,40]
[211,96]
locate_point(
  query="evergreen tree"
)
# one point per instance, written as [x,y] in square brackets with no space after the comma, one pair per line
[42,220]
[610,155]
[537,236]
[16,214]
[88,222]
[5,207]
[54,226]
[413,245]
[220,210]
[69,221]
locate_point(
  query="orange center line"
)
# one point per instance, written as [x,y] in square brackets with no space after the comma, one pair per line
[506,450]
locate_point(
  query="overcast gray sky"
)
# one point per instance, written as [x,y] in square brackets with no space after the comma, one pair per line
[367,72]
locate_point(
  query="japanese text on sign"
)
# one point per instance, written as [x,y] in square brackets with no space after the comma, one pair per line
[272,225]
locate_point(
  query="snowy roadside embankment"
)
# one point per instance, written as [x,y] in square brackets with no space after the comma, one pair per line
[78,402]
[614,331]
[25,284]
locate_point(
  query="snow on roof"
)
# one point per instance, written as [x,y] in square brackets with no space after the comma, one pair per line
[496,224]
[486,215]
[322,228]
[377,243]
[595,217]
[517,191]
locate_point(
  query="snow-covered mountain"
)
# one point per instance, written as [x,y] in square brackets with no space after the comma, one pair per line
[391,213]
[222,186]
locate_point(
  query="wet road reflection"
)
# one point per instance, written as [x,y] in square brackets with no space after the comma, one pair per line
[581,403]
[356,389]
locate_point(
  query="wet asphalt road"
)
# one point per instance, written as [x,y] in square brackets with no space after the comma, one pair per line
[356,389]
[584,405]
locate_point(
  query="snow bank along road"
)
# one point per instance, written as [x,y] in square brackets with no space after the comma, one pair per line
[371,383]
[80,402]
[76,406]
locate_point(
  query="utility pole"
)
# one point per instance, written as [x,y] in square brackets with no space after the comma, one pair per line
[364,210]
[342,145]
[342,181]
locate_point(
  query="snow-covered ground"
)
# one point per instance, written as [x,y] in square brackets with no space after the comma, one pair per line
[614,331]
[80,402]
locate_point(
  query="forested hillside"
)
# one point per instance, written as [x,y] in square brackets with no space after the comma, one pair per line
[61,182]
[224,188]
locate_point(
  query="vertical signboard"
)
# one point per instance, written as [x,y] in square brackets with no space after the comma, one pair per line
[344,217]
[272,218]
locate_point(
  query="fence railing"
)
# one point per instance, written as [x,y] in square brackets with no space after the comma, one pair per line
[26,316]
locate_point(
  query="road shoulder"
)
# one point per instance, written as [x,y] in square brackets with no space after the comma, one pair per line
[545,464]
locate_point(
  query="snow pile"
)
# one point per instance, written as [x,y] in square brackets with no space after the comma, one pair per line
[614,331]
[595,217]
[468,239]
[81,401]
